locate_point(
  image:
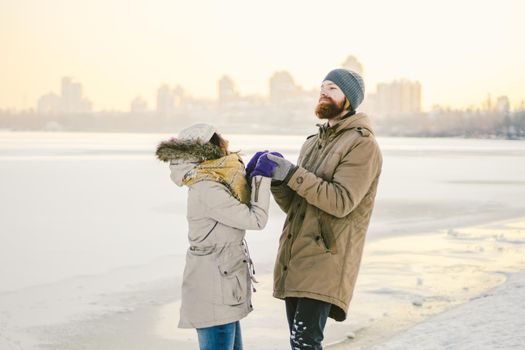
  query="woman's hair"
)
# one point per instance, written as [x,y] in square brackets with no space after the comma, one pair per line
[219,141]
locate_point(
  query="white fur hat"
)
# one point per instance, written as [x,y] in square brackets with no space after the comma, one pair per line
[202,132]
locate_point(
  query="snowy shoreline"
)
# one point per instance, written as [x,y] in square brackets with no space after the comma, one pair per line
[500,284]
[493,320]
[405,282]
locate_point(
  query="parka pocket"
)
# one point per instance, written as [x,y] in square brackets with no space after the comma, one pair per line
[234,280]
[329,231]
[326,239]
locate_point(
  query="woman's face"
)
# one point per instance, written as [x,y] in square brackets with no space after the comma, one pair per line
[220,141]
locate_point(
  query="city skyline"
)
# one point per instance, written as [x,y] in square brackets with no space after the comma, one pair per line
[394,97]
[459,51]
[282,87]
[394,106]
[136,103]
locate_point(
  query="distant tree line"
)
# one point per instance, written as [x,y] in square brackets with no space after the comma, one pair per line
[272,119]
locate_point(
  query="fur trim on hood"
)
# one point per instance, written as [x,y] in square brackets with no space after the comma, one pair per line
[188,150]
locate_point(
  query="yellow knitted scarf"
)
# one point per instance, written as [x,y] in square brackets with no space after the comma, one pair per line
[228,170]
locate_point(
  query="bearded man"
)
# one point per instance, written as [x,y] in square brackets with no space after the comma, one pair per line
[328,198]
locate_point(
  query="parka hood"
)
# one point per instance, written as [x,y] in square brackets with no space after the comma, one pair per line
[192,150]
[180,169]
[356,121]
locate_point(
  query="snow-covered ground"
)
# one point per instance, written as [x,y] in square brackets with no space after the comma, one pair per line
[463,273]
[92,240]
[493,320]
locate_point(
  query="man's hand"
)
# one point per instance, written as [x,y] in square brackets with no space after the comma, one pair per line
[261,165]
[283,167]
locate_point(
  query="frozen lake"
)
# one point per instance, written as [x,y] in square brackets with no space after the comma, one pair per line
[75,204]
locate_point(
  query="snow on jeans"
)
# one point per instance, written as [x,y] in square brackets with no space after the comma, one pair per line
[306,320]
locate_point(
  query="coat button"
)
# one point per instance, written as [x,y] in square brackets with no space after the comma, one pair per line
[299,180]
[317,238]
[285,268]
[289,236]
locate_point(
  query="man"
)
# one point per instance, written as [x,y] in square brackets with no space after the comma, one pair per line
[328,198]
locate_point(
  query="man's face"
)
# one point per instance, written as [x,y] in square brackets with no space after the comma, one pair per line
[331,101]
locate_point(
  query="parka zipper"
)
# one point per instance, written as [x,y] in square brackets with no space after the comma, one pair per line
[319,146]
[257,186]
[316,147]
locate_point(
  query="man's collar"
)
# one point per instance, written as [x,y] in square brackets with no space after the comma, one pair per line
[348,114]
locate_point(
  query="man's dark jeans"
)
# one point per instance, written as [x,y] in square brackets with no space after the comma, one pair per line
[306,320]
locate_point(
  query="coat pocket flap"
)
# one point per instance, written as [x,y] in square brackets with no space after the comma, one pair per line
[234,281]
[231,266]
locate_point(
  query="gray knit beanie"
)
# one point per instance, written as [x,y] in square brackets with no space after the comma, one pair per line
[350,83]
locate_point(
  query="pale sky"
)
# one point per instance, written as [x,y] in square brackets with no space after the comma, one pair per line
[119,49]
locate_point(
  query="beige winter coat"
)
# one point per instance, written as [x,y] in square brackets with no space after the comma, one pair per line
[328,201]
[216,286]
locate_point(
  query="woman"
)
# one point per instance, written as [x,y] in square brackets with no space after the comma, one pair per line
[217,282]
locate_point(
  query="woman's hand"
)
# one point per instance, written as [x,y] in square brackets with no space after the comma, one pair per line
[253,162]
[265,166]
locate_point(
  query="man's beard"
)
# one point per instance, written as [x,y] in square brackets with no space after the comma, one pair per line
[328,109]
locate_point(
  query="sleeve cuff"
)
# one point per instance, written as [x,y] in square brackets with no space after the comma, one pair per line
[290,174]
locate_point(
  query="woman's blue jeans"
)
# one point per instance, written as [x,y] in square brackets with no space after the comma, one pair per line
[222,337]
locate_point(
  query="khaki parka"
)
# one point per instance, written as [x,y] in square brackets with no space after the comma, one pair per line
[217,280]
[328,200]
